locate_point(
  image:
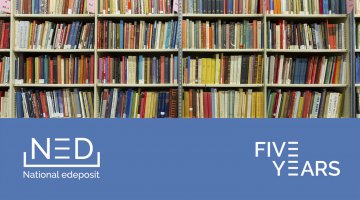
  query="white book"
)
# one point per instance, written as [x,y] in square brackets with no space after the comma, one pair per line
[222,104]
[114,103]
[323,70]
[296,107]
[277,29]
[249,102]
[280,71]
[26,112]
[316,105]
[278,106]
[238,71]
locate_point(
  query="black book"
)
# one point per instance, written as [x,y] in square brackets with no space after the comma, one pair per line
[245,70]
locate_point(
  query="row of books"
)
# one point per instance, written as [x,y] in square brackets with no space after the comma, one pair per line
[215,103]
[5,70]
[62,103]
[53,6]
[222,6]
[4,34]
[4,104]
[306,7]
[357,68]
[223,69]
[52,35]
[290,35]
[311,70]
[357,102]
[138,69]
[222,34]
[138,6]
[305,104]
[137,35]
[116,103]
[357,34]
[55,69]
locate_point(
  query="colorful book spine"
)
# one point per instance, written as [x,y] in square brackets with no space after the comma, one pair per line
[54,6]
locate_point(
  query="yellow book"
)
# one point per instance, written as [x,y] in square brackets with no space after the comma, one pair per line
[301,107]
[253,105]
[260,105]
[213,70]
[339,108]
[204,68]
[111,7]
[37,71]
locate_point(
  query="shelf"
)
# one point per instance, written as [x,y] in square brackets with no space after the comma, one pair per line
[137,50]
[137,85]
[4,85]
[5,15]
[306,16]
[137,16]
[357,16]
[54,50]
[357,85]
[223,50]
[306,51]
[223,15]
[357,50]
[55,85]
[307,85]
[5,50]
[223,85]
[49,16]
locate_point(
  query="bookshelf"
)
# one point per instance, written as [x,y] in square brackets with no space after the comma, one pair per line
[98,87]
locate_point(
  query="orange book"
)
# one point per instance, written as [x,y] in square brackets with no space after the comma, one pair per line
[150,36]
[44,105]
[132,36]
[106,6]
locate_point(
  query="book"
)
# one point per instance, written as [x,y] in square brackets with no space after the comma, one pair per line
[5,70]
[222,7]
[305,104]
[138,6]
[214,103]
[54,69]
[51,35]
[305,7]
[309,70]
[138,69]
[62,103]
[137,35]
[222,34]
[223,69]
[291,35]
[55,7]
[117,103]
[4,104]
[4,34]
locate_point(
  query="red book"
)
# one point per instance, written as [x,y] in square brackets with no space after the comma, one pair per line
[315,70]
[210,111]
[309,71]
[1,72]
[276,70]
[307,102]
[292,104]
[321,11]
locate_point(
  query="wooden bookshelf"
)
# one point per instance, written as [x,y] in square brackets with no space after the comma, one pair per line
[97,87]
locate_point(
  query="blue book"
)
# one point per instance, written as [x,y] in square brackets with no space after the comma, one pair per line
[78,105]
[46,69]
[272,5]
[230,7]
[153,39]
[304,70]
[61,106]
[357,68]
[33,10]
[175,67]
[326,6]
[128,103]
[174,37]
[108,111]
[19,105]
[121,34]
[159,106]
[167,104]
[72,29]
[119,104]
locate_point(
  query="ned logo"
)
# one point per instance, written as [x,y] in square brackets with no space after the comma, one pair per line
[61,153]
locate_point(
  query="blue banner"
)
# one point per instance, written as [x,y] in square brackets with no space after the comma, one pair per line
[179,159]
